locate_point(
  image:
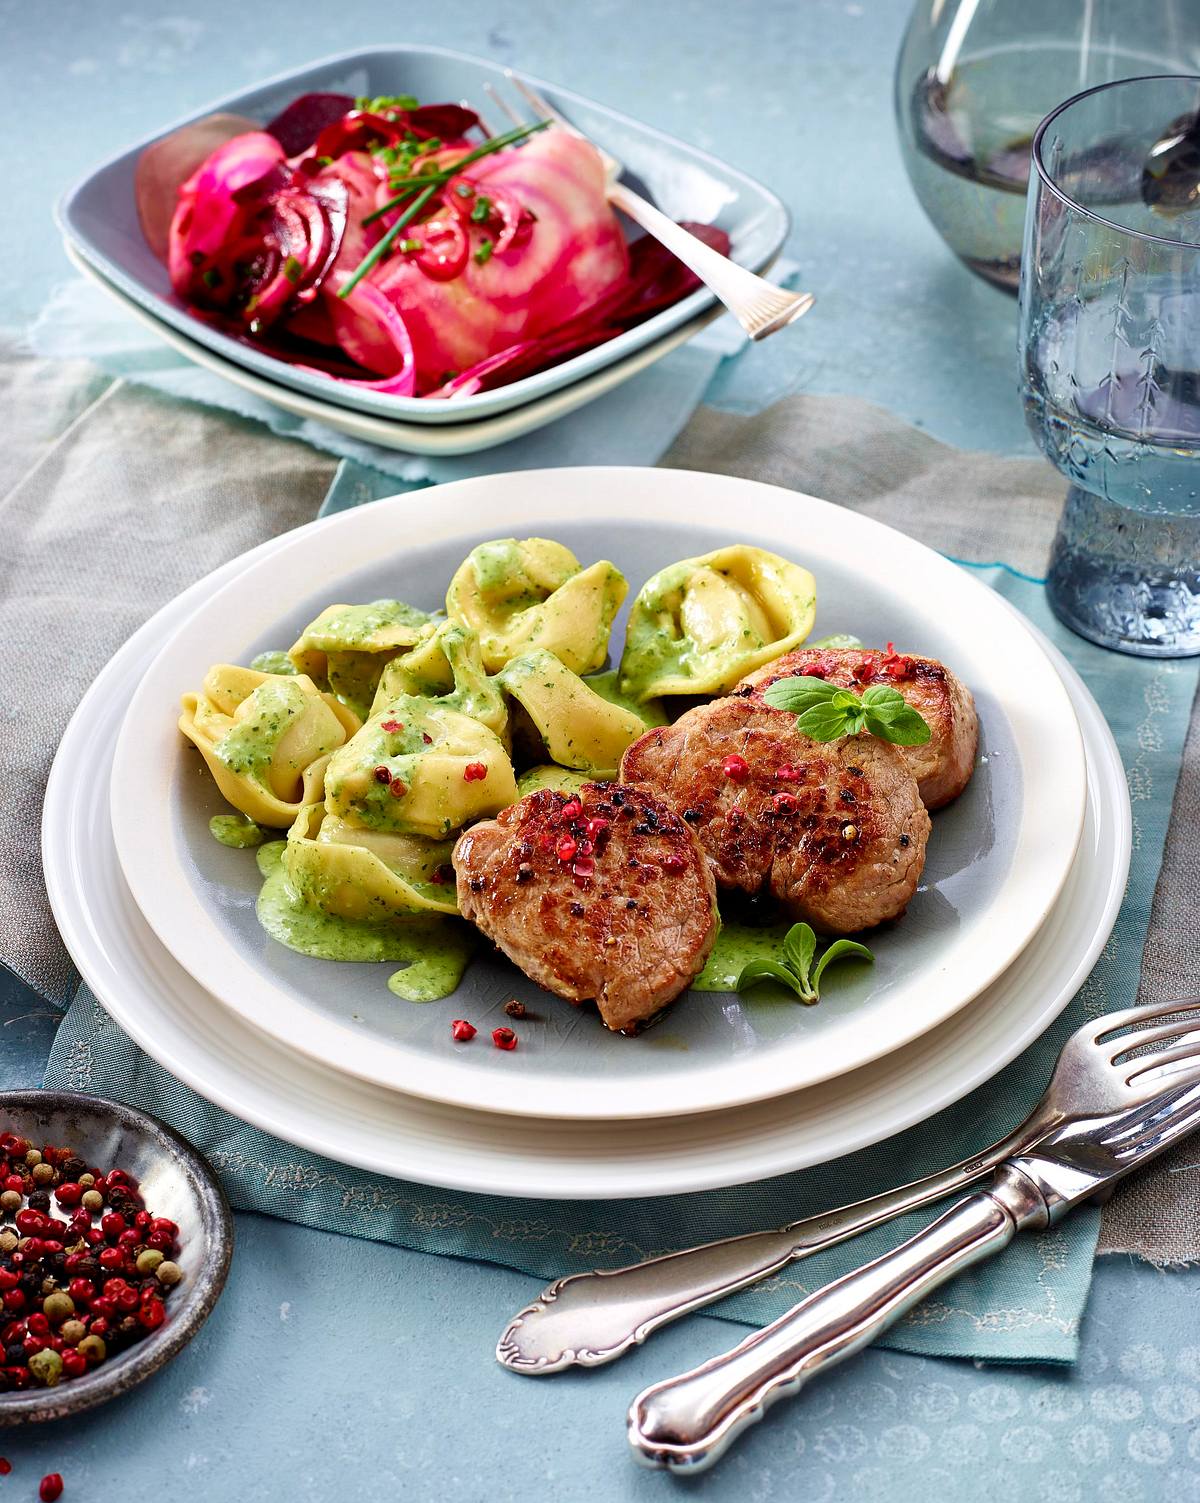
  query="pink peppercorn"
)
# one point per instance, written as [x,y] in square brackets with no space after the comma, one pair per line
[461,1030]
[735,768]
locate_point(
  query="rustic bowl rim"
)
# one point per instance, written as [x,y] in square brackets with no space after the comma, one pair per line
[205,1283]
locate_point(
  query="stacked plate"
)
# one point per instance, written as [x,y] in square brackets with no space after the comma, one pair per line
[99,222]
[1021,888]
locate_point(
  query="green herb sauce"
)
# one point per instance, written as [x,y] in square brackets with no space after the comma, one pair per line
[236,830]
[274,661]
[434,951]
[737,945]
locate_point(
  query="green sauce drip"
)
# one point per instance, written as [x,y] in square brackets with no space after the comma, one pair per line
[236,830]
[434,951]
[607,686]
[436,961]
[736,945]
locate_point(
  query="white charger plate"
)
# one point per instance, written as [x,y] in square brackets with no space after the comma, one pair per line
[392,433]
[307,1104]
[997,860]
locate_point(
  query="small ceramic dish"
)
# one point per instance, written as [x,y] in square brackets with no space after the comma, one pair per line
[177,1183]
[99,218]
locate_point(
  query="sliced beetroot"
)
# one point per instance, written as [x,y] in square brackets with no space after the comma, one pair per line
[165,165]
[299,125]
[448,122]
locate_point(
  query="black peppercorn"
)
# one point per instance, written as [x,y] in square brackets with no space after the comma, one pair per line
[14,1354]
[39,1200]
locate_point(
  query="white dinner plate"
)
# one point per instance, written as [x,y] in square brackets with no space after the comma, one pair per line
[997,859]
[392,433]
[307,1104]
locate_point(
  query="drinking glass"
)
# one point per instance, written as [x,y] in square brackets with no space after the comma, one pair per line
[1109,347]
[975,78]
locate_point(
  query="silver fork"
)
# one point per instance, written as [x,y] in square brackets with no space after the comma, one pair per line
[591,1318]
[685,1423]
[758,305]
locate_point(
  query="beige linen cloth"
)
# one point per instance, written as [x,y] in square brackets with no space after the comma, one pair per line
[113,499]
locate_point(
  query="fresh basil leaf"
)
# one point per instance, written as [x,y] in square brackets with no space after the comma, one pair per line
[840,640]
[798,693]
[755,971]
[890,717]
[845,699]
[799,946]
[829,722]
[840,949]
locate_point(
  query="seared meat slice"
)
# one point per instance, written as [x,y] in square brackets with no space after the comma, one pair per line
[602,894]
[836,831]
[943,766]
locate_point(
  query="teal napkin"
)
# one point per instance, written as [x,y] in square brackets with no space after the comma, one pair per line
[1025,1306]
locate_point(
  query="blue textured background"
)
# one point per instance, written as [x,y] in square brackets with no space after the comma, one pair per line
[335,1368]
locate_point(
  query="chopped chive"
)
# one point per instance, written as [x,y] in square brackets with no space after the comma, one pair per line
[409,245]
[464,190]
[292,269]
[482,208]
[510,138]
[484,254]
[381,248]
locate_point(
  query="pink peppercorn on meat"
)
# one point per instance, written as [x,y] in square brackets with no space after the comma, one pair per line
[835,831]
[602,895]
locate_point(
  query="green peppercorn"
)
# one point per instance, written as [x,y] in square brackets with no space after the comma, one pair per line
[148,1260]
[92,1200]
[33,1157]
[86,1181]
[168,1273]
[93,1348]
[46,1366]
[58,1307]
[72,1332]
[11,1200]
[42,1173]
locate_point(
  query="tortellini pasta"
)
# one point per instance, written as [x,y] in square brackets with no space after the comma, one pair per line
[700,625]
[347,647]
[579,727]
[419,769]
[366,875]
[266,738]
[533,594]
[549,776]
[447,668]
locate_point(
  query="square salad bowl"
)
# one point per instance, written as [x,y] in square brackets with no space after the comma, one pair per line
[98,218]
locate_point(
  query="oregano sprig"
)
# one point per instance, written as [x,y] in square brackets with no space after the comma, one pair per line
[796,970]
[825,712]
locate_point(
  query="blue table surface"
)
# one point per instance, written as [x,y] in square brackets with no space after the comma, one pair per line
[340,1369]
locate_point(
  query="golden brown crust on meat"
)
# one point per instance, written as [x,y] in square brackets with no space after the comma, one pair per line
[943,766]
[835,831]
[605,894]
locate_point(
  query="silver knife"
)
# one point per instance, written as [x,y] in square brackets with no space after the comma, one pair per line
[590,1318]
[684,1424]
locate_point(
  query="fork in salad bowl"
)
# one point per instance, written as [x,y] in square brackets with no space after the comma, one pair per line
[759,306]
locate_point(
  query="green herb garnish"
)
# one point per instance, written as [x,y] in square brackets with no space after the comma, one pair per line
[796,970]
[292,269]
[497,143]
[826,713]
[409,245]
[212,277]
[415,205]
[481,208]
[484,253]
[380,102]
[382,246]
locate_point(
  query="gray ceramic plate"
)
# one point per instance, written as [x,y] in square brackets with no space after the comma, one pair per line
[99,217]
[997,859]
[176,1183]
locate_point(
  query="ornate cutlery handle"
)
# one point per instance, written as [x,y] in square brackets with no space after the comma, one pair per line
[588,1319]
[685,1423]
